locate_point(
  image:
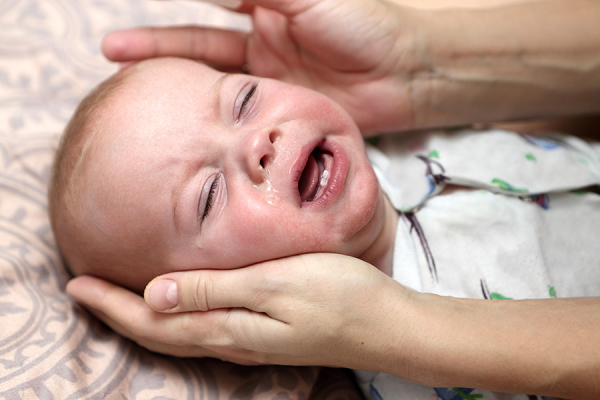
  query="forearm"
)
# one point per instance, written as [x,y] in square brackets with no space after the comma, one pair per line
[531,59]
[545,347]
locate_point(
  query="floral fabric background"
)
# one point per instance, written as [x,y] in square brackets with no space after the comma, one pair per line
[49,347]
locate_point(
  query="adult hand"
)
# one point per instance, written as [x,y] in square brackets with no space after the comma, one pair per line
[327,309]
[128,315]
[396,68]
[313,309]
[358,52]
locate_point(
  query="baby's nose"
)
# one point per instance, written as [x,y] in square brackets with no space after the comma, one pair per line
[260,152]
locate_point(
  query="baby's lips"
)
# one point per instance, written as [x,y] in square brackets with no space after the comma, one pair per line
[231,4]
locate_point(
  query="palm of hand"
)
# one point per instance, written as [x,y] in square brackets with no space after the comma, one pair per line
[350,61]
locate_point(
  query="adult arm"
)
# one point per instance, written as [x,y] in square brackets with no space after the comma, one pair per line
[324,309]
[396,68]
[530,59]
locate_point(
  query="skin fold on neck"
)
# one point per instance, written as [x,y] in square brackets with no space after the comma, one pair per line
[381,252]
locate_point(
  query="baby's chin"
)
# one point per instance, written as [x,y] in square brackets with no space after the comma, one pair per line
[374,242]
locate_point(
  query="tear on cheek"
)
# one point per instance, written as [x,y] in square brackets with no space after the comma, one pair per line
[198,241]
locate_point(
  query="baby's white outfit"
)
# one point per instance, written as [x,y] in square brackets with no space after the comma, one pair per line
[528,230]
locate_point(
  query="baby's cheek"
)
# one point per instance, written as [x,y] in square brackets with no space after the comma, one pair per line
[267,232]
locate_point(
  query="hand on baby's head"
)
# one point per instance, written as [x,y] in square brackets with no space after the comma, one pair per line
[171,165]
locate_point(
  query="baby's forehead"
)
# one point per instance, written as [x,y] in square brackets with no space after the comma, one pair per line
[163,108]
[152,96]
[164,86]
[173,70]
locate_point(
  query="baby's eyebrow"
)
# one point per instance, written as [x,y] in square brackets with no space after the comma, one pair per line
[218,85]
[177,192]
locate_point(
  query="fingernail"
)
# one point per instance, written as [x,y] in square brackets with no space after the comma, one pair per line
[162,295]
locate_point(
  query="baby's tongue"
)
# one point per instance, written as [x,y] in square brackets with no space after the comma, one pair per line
[307,186]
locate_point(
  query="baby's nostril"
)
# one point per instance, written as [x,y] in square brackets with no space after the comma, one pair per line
[273,137]
[263,161]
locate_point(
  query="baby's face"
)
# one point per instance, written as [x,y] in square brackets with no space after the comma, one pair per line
[218,171]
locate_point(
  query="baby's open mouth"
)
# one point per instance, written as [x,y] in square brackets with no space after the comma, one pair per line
[315,175]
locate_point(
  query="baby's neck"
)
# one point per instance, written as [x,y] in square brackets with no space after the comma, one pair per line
[381,253]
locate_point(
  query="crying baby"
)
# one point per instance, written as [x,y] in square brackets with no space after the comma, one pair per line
[170,165]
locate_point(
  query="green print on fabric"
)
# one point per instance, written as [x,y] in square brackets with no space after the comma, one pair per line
[583,160]
[530,157]
[507,186]
[465,396]
[498,296]
[579,192]
[434,154]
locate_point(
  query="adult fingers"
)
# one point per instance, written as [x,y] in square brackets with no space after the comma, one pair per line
[286,7]
[234,5]
[119,308]
[126,312]
[215,46]
[158,347]
[186,350]
[205,290]
[289,8]
[216,333]
[254,288]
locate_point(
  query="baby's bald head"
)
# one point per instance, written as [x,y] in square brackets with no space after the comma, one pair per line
[87,246]
[173,166]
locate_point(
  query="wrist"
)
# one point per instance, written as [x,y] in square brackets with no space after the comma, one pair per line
[424,345]
[518,61]
[398,59]
[398,337]
[406,61]
[545,347]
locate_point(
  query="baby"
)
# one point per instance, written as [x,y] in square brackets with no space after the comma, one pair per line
[171,165]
